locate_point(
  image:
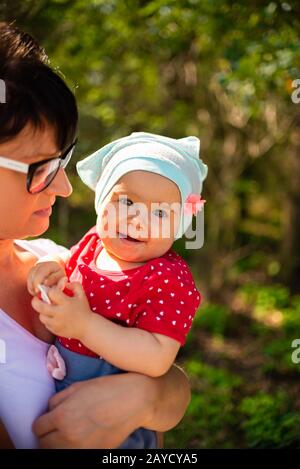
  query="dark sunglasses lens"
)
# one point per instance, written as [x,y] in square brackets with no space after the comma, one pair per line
[44,175]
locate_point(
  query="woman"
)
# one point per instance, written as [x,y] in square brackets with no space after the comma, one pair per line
[38,124]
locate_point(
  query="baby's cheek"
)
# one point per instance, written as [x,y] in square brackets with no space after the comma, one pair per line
[110,220]
[158,247]
[166,230]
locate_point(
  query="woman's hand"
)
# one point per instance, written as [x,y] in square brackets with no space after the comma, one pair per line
[68,314]
[102,412]
[99,413]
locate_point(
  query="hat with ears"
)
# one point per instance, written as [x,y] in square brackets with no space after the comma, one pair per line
[175,159]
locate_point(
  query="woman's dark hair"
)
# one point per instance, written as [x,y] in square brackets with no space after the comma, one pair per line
[34,93]
[16,43]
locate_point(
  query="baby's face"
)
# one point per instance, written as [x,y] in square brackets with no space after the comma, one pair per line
[139,218]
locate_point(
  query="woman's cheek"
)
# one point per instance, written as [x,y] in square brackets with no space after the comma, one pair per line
[15,202]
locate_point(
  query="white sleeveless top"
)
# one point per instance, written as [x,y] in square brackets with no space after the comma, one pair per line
[25,384]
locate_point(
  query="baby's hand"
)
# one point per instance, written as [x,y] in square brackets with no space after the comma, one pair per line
[46,273]
[66,315]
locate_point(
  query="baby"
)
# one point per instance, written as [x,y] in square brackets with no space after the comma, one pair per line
[123,300]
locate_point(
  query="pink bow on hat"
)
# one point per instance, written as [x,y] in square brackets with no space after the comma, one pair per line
[193,204]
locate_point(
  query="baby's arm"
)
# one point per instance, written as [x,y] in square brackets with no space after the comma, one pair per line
[130,349]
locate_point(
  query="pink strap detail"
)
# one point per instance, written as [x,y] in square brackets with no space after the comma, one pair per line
[55,363]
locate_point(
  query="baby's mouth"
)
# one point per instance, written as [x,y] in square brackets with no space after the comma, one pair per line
[129,238]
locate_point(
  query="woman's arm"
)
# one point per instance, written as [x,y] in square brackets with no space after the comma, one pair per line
[172,395]
[102,412]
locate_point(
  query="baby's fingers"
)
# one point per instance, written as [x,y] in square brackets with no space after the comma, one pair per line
[33,279]
[41,307]
[54,278]
[39,279]
[46,321]
[43,273]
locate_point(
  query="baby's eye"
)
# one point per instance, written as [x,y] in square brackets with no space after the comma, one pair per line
[125,201]
[160,213]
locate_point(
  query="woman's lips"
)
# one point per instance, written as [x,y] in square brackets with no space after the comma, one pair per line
[46,212]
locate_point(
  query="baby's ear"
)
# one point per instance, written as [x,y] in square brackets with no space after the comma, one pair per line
[90,169]
[191,145]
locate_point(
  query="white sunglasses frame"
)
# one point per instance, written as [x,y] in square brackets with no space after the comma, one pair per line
[20,167]
[23,167]
[14,165]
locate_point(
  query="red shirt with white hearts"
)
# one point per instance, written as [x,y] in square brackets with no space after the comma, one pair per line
[159,296]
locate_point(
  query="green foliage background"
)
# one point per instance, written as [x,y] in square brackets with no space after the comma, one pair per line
[222,70]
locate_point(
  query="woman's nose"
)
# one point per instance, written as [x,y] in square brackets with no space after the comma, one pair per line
[60,186]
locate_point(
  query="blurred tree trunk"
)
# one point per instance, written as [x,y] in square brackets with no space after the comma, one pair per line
[291,237]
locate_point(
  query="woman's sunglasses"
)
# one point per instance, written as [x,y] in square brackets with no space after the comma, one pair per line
[41,174]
